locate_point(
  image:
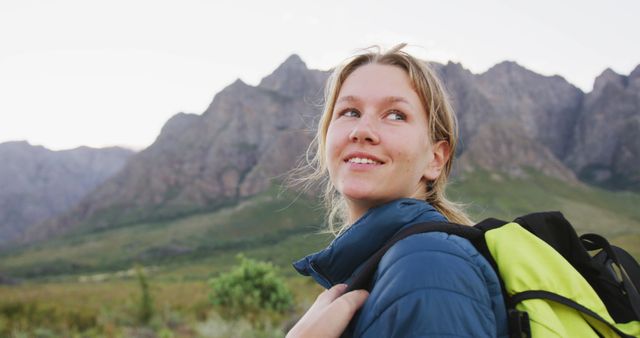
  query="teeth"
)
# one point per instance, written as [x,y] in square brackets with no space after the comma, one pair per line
[362,160]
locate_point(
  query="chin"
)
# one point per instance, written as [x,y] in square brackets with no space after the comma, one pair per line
[356,193]
[360,198]
[367,198]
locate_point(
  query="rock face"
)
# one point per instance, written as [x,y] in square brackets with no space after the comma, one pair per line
[294,80]
[36,183]
[508,148]
[470,103]
[511,119]
[606,143]
[546,107]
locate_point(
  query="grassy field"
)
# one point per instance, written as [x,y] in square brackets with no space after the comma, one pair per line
[83,285]
[108,308]
[214,237]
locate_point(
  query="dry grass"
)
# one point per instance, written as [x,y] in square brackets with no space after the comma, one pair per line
[108,308]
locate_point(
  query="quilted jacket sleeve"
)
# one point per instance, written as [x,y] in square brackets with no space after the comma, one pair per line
[430,285]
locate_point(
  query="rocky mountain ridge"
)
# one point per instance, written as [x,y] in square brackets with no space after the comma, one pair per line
[37,183]
[605,147]
[510,119]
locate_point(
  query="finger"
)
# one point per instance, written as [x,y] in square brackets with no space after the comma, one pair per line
[322,301]
[340,312]
[350,302]
[310,325]
[328,296]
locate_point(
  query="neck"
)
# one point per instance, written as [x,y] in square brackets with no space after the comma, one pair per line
[355,211]
[357,208]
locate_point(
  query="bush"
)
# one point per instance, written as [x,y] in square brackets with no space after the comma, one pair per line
[250,290]
[145,303]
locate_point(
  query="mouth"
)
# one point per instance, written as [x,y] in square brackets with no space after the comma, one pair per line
[363,159]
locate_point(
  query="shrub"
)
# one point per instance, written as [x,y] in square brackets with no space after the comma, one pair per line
[250,290]
[145,303]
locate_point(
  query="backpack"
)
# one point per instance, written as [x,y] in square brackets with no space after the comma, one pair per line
[551,284]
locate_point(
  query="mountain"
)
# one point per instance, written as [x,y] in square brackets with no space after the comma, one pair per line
[512,120]
[606,143]
[545,106]
[247,137]
[37,183]
[505,147]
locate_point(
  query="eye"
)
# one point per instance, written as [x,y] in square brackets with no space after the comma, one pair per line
[396,116]
[350,112]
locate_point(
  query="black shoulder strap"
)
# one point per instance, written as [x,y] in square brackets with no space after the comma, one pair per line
[631,267]
[628,270]
[363,278]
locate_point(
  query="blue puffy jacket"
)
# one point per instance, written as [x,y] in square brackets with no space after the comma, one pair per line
[426,285]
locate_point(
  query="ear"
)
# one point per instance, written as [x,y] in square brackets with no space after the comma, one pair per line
[441,152]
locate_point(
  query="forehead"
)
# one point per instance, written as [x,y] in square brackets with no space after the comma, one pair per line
[378,81]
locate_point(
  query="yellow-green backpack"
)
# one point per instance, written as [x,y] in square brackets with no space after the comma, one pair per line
[551,284]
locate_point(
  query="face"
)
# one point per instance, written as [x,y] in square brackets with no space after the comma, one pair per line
[377,145]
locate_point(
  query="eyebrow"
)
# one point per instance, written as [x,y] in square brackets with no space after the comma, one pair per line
[388,99]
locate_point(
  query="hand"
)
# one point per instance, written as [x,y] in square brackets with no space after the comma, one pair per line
[330,313]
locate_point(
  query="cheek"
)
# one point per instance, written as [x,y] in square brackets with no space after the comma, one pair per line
[405,149]
[329,142]
[414,160]
[332,148]
[407,160]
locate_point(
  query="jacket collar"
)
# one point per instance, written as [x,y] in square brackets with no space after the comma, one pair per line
[336,263]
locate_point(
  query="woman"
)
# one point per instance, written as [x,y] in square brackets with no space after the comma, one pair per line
[386,140]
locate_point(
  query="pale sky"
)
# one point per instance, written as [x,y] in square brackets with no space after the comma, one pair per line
[103,73]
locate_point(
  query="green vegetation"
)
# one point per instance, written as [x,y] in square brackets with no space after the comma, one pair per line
[84,284]
[252,289]
[111,309]
[145,304]
[260,222]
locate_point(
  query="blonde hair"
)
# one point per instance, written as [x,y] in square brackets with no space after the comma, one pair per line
[442,125]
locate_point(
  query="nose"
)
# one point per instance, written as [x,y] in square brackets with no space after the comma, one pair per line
[364,131]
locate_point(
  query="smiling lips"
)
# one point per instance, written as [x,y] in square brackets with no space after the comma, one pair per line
[362,159]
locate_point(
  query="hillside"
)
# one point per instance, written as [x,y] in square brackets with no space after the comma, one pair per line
[277,229]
